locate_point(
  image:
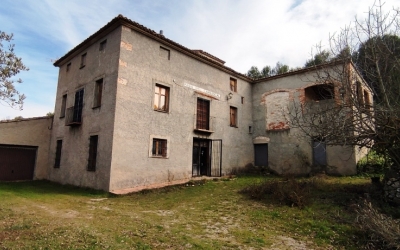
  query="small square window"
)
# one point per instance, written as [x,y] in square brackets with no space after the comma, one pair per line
[159,148]
[103,45]
[165,53]
[83,60]
[233,84]
[63,106]
[93,141]
[98,92]
[68,67]
[57,161]
[233,117]
[161,98]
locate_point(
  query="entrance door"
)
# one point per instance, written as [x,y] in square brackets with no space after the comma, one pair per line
[261,155]
[319,153]
[207,155]
[17,162]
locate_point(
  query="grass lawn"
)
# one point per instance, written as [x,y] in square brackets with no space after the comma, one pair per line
[205,215]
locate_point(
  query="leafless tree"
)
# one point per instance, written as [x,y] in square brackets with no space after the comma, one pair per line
[355,99]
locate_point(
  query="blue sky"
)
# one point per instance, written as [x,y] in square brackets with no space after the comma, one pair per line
[241,32]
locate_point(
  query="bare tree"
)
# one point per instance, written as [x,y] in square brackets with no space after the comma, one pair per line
[338,109]
[10,65]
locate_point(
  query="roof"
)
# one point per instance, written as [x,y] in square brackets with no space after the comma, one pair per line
[120,20]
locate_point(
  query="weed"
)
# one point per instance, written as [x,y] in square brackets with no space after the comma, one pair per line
[383,230]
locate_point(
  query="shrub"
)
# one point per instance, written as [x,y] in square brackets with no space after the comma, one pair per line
[372,164]
[383,230]
[291,192]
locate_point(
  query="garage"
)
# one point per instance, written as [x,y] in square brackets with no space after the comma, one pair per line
[17,162]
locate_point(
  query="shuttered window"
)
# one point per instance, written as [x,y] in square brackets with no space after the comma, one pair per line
[233,117]
[203,114]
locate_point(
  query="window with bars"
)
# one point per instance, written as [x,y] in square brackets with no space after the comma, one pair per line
[233,84]
[161,98]
[233,117]
[57,161]
[98,92]
[159,148]
[93,141]
[203,114]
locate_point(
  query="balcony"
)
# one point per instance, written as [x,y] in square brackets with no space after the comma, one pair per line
[204,126]
[73,116]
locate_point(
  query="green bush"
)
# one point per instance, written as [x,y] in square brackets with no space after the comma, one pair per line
[372,164]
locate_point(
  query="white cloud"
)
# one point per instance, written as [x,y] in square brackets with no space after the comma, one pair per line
[241,32]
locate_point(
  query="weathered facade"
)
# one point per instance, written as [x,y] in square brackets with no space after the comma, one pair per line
[136,110]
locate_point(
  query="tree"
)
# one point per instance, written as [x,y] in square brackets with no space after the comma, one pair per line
[320,58]
[10,66]
[353,120]
[255,73]
[280,69]
[267,71]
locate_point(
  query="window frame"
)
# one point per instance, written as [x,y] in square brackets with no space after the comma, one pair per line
[163,51]
[159,147]
[93,152]
[158,96]
[63,106]
[233,87]
[98,93]
[83,60]
[57,159]
[203,118]
[233,111]
[103,45]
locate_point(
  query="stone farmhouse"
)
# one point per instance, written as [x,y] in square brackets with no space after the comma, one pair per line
[136,110]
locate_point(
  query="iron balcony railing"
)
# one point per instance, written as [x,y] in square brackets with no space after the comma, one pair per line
[73,116]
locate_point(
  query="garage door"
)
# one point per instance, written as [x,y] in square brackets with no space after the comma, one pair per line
[17,162]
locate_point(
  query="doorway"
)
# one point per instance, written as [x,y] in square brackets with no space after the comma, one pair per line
[207,157]
[261,155]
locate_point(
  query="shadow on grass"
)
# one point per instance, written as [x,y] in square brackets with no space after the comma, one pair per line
[46,188]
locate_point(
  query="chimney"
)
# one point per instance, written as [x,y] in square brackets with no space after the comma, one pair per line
[161,32]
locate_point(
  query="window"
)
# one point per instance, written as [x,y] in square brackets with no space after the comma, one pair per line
[319,92]
[92,153]
[367,103]
[203,114]
[103,45]
[242,100]
[74,113]
[58,154]
[233,117]
[159,148]
[68,67]
[165,53]
[161,98]
[83,60]
[63,105]
[98,91]
[233,85]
